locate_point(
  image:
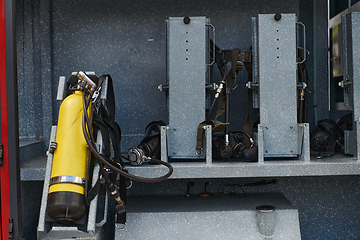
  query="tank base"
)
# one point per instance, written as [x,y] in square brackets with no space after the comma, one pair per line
[66,207]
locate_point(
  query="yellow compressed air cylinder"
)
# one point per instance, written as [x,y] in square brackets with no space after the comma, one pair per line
[66,200]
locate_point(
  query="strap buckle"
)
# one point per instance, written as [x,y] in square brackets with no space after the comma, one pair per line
[95,95]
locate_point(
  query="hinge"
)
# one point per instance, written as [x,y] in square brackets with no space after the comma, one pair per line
[1,155]
[11,228]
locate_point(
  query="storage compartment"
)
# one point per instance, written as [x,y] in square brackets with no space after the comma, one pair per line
[128,40]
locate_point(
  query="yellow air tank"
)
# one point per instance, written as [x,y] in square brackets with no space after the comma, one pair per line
[66,199]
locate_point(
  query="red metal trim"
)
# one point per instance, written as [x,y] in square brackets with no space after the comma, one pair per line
[4,170]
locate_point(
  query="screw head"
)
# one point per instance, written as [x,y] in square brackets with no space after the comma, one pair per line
[277,17]
[186,20]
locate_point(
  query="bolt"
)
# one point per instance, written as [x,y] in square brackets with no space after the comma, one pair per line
[277,17]
[186,20]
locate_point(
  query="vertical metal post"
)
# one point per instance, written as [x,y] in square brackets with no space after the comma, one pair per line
[275,87]
[10,171]
[163,143]
[43,227]
[351,81]
[260,140]
[304,139]
[277,79]
[208,142]
[187,53]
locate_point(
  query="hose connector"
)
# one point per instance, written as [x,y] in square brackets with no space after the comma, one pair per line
[83,77]
[137,156]
[114,191]
[219,89]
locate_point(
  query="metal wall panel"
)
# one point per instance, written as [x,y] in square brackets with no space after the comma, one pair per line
[277,77]
[186,57]
[351,81]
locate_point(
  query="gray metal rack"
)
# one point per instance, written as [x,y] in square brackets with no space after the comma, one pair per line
[336,165]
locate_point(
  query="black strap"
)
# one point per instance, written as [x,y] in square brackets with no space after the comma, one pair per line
[121,218]
[101,125]
[111,134]
[233,57]
[94,190]
[107,111]
[303,103]
[303,65]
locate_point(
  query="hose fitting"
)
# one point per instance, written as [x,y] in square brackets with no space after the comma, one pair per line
[114,191]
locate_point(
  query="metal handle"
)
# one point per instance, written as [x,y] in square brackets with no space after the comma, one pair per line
[304,43]
[212,26]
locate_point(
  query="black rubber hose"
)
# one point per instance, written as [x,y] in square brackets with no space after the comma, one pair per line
[227,106]
[227,101]
[301,102]
[210,111]
[247,135]
[215,99]
[305,107]
[301,110]
[89,125]
[109,164]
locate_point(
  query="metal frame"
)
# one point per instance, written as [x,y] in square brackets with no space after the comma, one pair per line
[10,170]
[351,79]
[337,20]
[207,143]
[187,73]
[46,230]
[274,44]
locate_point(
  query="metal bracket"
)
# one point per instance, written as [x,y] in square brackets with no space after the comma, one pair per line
[11,228]
[1,155]
[212,26]
[304,59]
[252,85]
[163,143]
[94,230]
[208,144]
[164,87]
[304,135]
[345,84]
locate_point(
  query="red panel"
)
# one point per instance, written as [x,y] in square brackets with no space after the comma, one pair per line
[4,170]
